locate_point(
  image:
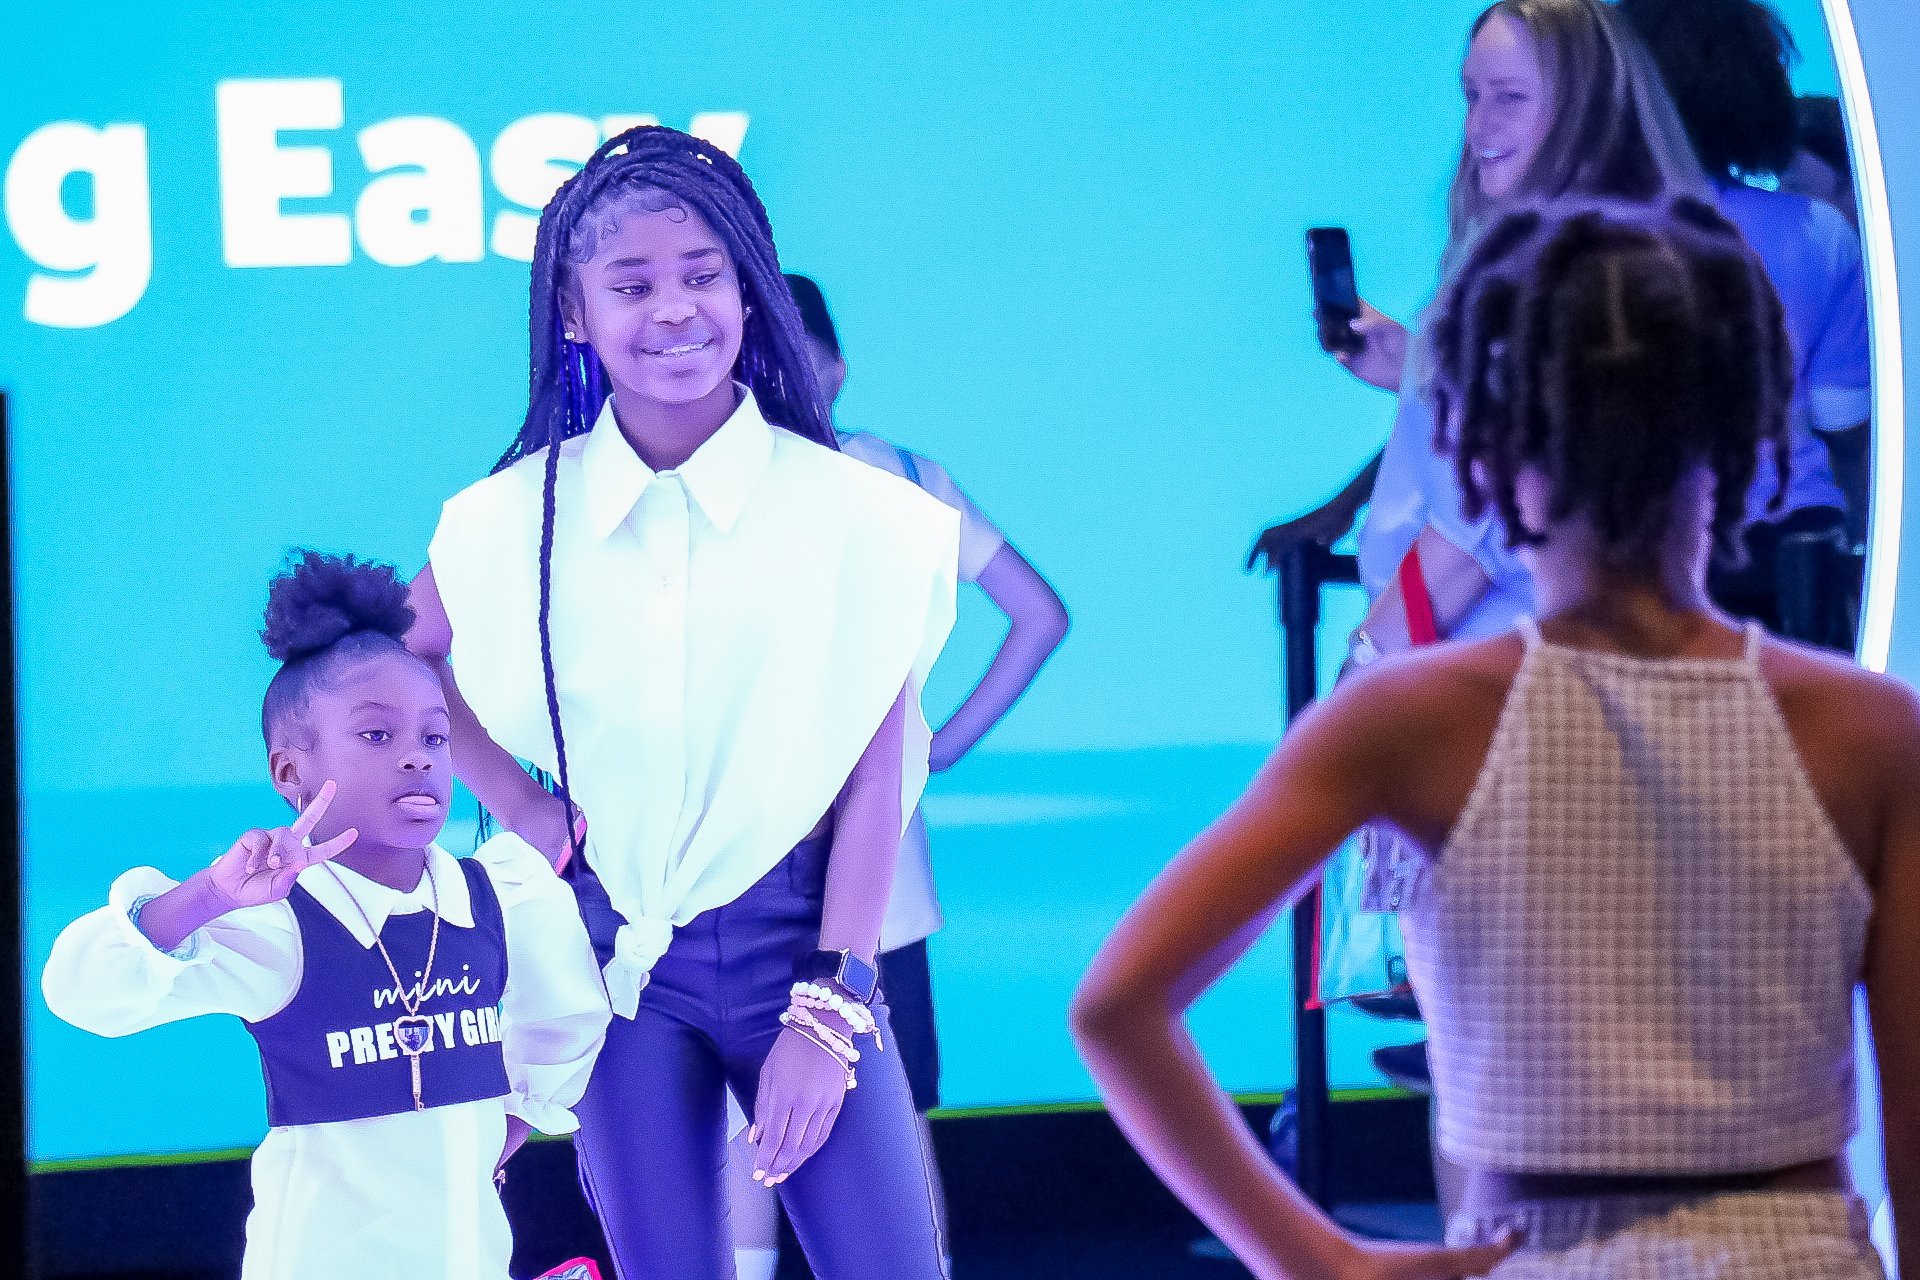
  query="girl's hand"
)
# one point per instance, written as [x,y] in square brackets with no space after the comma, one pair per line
[545,828]
[262,865]
[1383,349]
[802,1088]
[1427,1261]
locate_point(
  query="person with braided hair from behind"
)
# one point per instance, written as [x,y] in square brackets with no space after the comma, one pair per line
[416,1014]
[1659,847]
[679,600]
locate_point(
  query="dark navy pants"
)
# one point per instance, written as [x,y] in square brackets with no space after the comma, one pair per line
[652,1140]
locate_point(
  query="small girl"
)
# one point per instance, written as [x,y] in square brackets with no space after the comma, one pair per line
[416,1014]
[679,599]
[1659,849]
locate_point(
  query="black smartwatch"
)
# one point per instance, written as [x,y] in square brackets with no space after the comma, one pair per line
[853,974]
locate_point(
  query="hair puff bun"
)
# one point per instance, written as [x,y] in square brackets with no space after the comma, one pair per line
[320,599]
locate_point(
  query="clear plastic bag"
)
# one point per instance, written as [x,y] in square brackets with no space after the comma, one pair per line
[1362,889]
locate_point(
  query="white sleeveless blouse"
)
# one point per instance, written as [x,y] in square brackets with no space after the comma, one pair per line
[727,638]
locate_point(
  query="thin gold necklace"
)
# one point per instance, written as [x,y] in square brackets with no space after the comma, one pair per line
[413,1032]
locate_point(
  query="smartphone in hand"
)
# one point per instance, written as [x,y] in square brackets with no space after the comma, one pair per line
[1336,299]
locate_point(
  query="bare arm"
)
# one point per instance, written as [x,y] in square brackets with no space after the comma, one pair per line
[1192,923]
[489,770]
[1455,581]
[866,843]
[802,1087]
[1893,993]
[1038,624]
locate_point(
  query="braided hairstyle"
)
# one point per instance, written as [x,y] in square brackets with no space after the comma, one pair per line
[652,169]
[1614,348]
[324,612]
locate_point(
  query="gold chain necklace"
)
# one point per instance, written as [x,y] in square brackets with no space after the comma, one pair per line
[414,1032]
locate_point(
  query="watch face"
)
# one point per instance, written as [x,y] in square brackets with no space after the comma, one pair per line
[858,976]
[843,967]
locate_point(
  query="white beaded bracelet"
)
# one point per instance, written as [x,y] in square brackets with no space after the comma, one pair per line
[841,1043]
[858,1017]
[788,1020]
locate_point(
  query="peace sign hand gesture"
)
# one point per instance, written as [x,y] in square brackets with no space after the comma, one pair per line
[262,865]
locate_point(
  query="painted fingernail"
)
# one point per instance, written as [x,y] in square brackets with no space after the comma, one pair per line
[758,1174]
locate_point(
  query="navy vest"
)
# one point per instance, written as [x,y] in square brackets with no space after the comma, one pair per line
[331,1055]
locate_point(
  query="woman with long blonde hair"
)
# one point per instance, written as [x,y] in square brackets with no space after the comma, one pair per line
[1562,101]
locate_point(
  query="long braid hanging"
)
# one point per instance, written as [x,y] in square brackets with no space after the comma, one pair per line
[575,393]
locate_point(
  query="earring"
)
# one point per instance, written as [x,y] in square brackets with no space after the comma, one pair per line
[570,337]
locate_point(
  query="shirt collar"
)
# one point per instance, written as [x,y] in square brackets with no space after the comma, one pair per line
[719,475]
[340,895]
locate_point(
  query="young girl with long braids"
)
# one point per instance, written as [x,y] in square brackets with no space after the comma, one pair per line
[1659,848]
[678,599]
[416,1013]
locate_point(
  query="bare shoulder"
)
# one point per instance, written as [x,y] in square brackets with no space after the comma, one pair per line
[1407,737]
[1832,703]
[1432,680]
[1426,699]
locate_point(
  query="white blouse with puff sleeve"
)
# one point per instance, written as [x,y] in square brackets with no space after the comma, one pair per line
[410,1193]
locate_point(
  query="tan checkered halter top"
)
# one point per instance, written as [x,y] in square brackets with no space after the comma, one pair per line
[1638,948]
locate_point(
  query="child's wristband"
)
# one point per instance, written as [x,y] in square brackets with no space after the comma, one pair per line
[187,950]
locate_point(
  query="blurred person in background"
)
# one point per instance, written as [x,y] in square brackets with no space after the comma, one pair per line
[1725,65]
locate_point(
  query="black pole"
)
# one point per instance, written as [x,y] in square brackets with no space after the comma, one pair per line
[1303,568]
[15,1233]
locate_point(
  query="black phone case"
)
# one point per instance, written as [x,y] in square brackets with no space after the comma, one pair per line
[1336,300]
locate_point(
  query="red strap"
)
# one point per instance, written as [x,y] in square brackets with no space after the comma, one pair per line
[1419,605]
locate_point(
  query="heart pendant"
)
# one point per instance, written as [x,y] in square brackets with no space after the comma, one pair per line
[414,1034]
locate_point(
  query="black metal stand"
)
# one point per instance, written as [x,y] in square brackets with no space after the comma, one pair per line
[1299,552]
[15,1255]
[1304,570]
